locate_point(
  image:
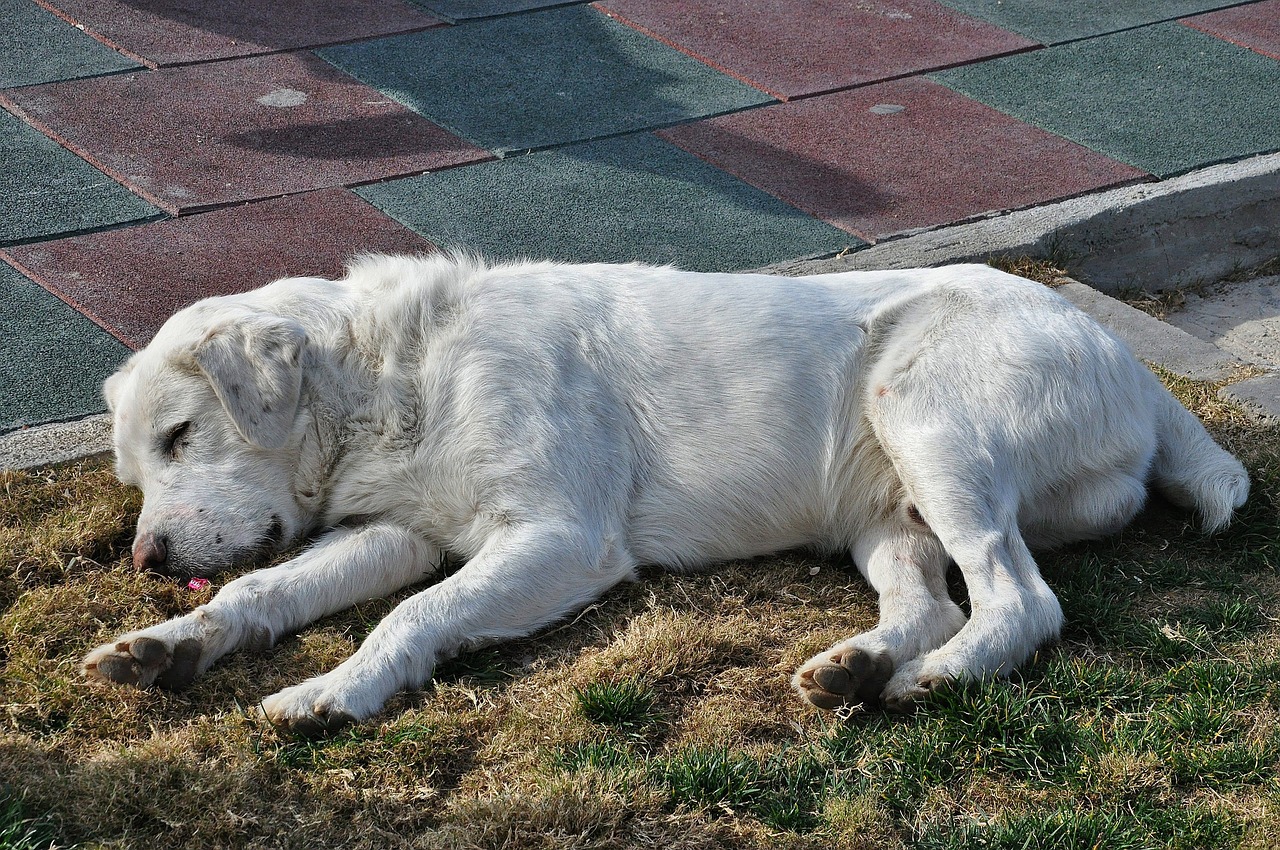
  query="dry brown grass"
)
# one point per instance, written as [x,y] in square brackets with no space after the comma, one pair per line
[1051,271]
[464,764]
[1164,303]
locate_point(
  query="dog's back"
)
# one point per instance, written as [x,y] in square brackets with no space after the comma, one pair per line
[751,408]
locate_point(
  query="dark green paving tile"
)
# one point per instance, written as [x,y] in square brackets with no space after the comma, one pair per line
[52,359]
[36,46]
[1164,98]
[617,200]
[1056,21]
[542,79]
[461,10]
[46,190]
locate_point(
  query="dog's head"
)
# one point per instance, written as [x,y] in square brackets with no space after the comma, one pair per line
[206,425]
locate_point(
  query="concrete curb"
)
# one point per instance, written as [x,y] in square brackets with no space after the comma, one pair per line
[1197,227]
[46,445]
[1261,395]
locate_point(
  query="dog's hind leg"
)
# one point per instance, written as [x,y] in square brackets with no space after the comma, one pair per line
[345,567]
[525,577]
[907,566]
[970,503]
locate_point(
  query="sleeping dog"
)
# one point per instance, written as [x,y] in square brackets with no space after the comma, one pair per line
[555,426]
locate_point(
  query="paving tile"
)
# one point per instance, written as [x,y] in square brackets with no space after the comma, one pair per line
[616,200]
[205,135]
[45,190]
[542,79]
[790,49]
[52,359]
[897,156]
[174,32]
[1164,98]
[38,47]
[461,10]
[1056,21]
[1255,26]
[131,280]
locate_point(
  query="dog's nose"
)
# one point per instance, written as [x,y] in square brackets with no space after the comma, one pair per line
[150,553]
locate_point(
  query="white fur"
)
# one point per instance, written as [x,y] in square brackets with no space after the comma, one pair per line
[557,425]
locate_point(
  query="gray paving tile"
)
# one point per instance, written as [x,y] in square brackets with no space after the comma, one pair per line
[45,190]
[617,200]
[37,46]
[542,79]
[1164,98]
[52,359]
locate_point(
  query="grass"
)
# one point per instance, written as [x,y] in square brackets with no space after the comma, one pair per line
[18,832]
[624,705]
[1052,269]
[662,715]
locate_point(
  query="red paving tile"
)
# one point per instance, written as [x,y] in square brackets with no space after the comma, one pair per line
[791,49]
[174,32]
[896,156]
[130,280]
[1255,26]
[205,135]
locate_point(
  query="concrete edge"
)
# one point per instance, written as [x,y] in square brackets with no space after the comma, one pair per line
[1196,227]
[1180,352]
[60,442]
[1259,395]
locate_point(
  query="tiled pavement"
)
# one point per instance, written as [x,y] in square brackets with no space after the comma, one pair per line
[156,152]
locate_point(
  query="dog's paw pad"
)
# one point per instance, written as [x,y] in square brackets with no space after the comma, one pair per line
[317,724]
[149,652]
[142,661]
[183,667]
[836,679]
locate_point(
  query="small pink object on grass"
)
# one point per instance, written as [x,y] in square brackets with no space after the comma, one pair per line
[198,584]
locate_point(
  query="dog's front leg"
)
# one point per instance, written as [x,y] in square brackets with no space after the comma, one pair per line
[524,578]
[344,567]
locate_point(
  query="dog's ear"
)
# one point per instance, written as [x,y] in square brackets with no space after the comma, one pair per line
[113,385]
[252,363]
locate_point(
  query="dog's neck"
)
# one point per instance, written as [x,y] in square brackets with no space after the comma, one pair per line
[325,407]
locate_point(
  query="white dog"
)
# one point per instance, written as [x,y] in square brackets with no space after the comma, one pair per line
[558,425]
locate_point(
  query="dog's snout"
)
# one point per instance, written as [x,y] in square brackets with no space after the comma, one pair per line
[150,552]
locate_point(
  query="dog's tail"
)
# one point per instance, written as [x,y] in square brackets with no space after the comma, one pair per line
[1193,471]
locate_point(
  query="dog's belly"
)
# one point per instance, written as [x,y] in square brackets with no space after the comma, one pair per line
[798,475]
[684,527]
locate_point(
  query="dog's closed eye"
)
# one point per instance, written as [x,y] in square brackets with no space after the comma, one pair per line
[176,440]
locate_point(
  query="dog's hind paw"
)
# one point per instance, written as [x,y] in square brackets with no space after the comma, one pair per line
[142,661]
[912,684]
[840,677]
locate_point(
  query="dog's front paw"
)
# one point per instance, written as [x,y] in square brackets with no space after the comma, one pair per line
[845,676]
[312,709]
[141,661]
